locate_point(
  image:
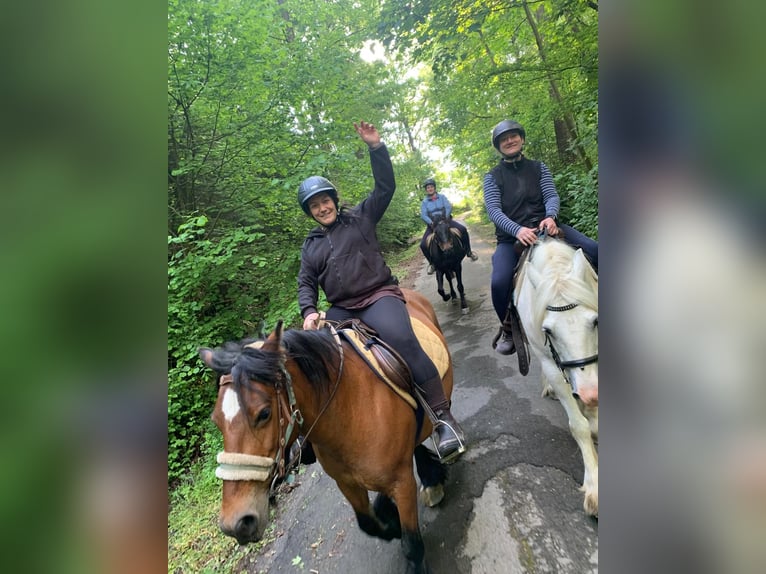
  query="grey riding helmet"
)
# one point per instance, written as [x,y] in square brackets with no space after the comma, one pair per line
[504,127]
[313,185]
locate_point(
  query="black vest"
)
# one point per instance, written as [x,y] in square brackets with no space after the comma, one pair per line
[521,198]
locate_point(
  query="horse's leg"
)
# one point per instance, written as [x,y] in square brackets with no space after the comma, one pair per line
[461,288]
[547,388]
[387,514]
[432,475]
[405,494]
[365,513]
[440,284]
[581,431]
[453,295]
[591,413]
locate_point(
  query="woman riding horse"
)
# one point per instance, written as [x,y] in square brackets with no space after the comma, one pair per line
[433,208]
[343,257]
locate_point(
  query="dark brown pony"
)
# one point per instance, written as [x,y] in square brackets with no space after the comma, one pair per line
[364,435]
[447,253]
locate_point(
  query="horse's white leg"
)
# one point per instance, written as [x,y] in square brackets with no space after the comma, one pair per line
[547,388]
[580,427]
[591,413]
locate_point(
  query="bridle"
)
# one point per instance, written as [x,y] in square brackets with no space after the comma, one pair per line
[240,466]
[563,365]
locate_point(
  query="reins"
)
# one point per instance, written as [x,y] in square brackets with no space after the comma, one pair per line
[296,460]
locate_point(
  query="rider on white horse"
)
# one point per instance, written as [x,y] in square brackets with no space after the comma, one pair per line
[521,200]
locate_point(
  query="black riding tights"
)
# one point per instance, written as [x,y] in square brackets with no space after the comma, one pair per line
[388,316]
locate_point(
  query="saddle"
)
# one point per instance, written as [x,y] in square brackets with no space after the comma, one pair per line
[385,362]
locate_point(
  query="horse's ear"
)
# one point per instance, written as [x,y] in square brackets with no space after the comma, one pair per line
[533,274]
[206,355]
[579,264]
[274,341]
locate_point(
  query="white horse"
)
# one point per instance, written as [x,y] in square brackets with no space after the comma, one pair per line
[557,300]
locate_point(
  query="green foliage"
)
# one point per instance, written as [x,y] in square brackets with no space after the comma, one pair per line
[209,301]
[579,200]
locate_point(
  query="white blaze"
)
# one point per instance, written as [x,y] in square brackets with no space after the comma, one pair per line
[230,404]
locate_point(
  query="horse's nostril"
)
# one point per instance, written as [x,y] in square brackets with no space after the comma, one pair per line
[246,529]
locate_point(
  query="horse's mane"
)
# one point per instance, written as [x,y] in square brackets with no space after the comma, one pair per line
[315,353]
[553,259]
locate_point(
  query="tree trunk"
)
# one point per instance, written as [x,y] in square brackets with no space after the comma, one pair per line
[566,119]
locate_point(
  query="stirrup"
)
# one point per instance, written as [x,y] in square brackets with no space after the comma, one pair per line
[451,457]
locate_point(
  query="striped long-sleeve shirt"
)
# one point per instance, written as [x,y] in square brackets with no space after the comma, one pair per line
[493,201]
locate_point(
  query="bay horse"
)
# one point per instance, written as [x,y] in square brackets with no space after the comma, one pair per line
[447,253]
[557,300]
[364,435]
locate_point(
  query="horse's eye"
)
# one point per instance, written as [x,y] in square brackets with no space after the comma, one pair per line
[595,323]
[546,330]
[263,415]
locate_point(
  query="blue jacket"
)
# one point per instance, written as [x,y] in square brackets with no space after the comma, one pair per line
[429,208]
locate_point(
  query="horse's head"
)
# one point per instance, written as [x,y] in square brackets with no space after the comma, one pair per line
[247,414]
[566,309]
[443,235]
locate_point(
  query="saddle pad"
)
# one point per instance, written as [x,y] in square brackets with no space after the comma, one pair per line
[432,345]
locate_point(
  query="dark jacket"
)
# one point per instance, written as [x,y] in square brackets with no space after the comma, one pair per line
[345,259]
[519,194]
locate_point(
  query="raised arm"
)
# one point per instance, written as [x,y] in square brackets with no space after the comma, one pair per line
[377,202]
[368,133]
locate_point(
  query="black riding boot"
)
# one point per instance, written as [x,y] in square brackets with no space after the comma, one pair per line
[451,440]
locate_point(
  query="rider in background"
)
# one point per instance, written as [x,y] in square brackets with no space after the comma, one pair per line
[521,200]
[433,208]
[342,256]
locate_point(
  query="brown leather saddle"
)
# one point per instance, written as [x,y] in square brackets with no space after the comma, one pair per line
[380,357]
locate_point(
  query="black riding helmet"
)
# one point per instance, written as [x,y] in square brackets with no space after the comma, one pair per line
[429,181]
[504,127]
[313,185]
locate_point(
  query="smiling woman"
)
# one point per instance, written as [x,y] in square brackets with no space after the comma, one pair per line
[343,257]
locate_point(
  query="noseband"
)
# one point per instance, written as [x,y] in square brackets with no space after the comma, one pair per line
[567,364]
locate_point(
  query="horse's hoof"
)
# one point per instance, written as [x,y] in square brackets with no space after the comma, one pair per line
[549,392]
[464,310]
[590,504]
[445,297]
[432,495]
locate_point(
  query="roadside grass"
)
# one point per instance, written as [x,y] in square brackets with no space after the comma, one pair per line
[195,544]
